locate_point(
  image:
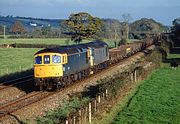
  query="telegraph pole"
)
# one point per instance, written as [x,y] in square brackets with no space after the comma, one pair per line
[115,37]
[4,33]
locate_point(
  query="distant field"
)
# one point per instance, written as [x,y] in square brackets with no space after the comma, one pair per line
[57,41]
[156,102]
[17,59]
[173,56]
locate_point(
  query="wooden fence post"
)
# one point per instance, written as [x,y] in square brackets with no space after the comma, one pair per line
[66,122]
[80,118]
[86,114]
[103,96]
[106,93]
[74,119]
[90,112]
[135,76]
[99,99]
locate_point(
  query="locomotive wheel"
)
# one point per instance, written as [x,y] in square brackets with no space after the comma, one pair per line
[49,85]
[41,88]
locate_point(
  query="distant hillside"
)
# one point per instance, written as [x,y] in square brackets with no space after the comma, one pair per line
[112,29]
[111,26]
[29,22]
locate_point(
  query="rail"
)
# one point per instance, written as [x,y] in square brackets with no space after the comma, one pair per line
[14,82]
[17,104]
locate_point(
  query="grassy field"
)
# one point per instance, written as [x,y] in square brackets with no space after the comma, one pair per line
[156,102]
[173,56]
[13,60]
[17,59]
[57,41]
[60,41]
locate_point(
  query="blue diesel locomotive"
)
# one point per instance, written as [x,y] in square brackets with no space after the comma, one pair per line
[57,67]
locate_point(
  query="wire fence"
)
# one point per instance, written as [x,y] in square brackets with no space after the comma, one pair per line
[8,70]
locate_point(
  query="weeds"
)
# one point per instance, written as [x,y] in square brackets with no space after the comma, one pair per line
[59,115]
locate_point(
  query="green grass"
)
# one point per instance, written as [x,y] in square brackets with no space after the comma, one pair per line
[156,102]
[109,116]
[16,59]
[173,56]
[57,41]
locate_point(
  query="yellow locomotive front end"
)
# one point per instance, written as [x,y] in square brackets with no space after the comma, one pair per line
[48,67]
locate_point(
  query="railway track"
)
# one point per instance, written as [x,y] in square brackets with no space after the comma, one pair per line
[22,102]
[33,97]
[8,84]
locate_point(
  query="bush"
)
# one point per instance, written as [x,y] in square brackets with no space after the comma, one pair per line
[59,115]
[123,41]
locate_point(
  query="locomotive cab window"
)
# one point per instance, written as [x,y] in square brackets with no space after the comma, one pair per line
[47,59]
[38,60]
[56,59]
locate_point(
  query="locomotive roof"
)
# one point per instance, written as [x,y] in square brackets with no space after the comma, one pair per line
[73,48]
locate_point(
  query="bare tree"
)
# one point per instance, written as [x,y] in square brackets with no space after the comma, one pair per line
[126,19]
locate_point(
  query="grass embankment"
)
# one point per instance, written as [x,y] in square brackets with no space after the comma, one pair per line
[17,59]
[157,100]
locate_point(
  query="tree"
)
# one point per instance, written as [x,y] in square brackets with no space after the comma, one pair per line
[176,22]
[176,32]
[18,28]
[82,25]
[126,19]
[176,25]
[36,32]
[46,30]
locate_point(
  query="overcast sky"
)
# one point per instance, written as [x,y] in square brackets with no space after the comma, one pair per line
[163,11]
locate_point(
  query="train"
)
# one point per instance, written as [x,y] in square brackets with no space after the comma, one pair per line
[58,67]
